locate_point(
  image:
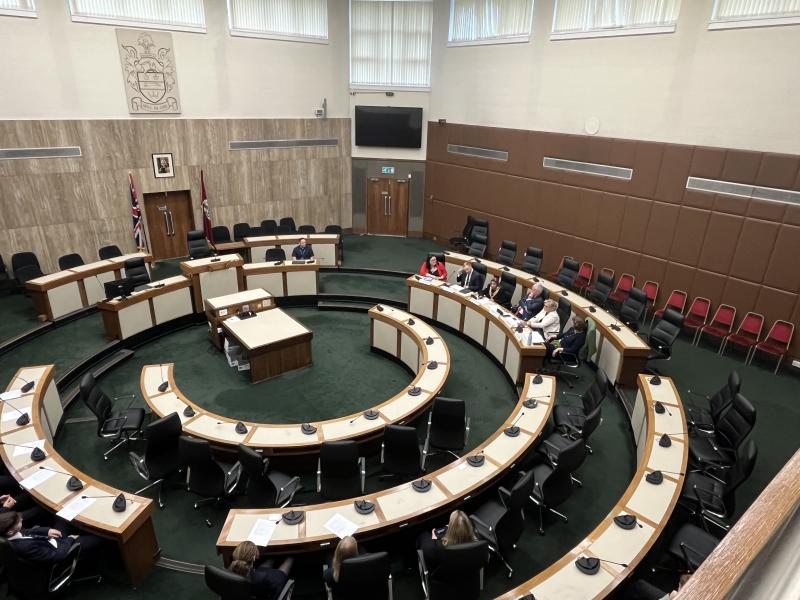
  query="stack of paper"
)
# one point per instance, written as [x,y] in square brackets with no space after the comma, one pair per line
[74,508]
[341,526]
[10,395]
[31,481]
[263,529]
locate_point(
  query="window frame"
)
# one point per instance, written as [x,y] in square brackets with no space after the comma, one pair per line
[26,13]
[609,31]
[118,22]
[715,24]
[517,39]
[247,33]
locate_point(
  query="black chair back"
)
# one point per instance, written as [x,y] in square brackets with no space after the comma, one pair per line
[532,262]
[162,455]
[568,273]
[221,234]
[275,254]
[306,229]
[70,261]
[592,421]
[479,268]
[197,244]
[337,229]
[95,399]
[597,392]
[136,271]
[556,486]
[340,474]
[256,231]
[632,309]
[737,422]
[740,471]
[269,227]
[511,525]
[25,266]
[241,231]
[205,476]
[564,311]
[601,289]
[448,424]
[260,488]
[365,576]
[226,584]
[666,331]
[107,252]
[477,247]
[509,282]
[287,224]
[507,252]
[459,572]
[721,401]
[401,451]
[35,579]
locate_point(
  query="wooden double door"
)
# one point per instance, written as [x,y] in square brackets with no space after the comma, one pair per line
[387,206]
[169,218]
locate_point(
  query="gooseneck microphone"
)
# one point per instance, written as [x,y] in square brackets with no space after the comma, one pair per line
[28,385]
[162,387]
[37,453]
[513,430]
[24,417]
[73,483]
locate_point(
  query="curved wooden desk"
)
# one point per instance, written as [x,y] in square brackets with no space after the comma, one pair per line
[284,279]
[390,333]
[326,246]
[621,354]
[652,505]
[400,506]
[132,529]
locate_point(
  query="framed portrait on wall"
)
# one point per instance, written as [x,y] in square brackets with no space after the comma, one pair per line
[163,165]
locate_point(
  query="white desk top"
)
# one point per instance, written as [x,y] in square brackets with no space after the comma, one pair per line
[265,328]
[238,298]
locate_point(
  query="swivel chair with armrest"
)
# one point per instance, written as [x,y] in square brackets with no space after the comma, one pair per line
[553,479]
[340,471]
[600,291]
[241,231]
[197,245]
[706,418]
[69,261]
[633,308]
[532,260]
[364,576]
[448,428]
[717,451]
[262,486]
[204,475]
[136,271]
[286,225]
[106,252]
[459,573]
[269,227]
[662,337]
[119,425]
[221,234]
[161,459]
[507,253]
[401,454]
[25,267]
[230,586]
[478,246]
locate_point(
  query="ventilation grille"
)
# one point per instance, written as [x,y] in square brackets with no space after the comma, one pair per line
[57,152]
[261,144]
[742,189]
[589,168]
[479,152]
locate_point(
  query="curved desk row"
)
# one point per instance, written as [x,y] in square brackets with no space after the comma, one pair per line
[400,506]
[480,319]
[651,504]
[390,332]
[621,354]
[132,529]
[283,279]
[63,292]
[326,246]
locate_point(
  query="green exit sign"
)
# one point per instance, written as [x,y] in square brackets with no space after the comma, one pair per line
[387,170]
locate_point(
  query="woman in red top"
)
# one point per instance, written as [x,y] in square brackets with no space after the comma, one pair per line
[433,268]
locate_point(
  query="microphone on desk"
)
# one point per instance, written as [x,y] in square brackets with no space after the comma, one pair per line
[24,417]
[28,384]
[240,428]
[661,409]
[120,502]
[476,460]
[162,387]
[513,430]
[657,476]
[627,521]
[589,565]
[665,441]
[37,454]
[533,401]
[615,326]
[73,483]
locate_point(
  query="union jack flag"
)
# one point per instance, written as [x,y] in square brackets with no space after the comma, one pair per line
[136,215]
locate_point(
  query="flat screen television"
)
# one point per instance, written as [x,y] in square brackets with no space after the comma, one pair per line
[389,126]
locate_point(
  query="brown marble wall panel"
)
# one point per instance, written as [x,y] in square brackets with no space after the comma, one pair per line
[728,248]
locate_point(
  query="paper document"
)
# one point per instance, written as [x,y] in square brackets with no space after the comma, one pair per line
[28,448]
[74,508]
[263,529]
[10,395]
[341,526]
[10,415]
[427,279]
[31,481]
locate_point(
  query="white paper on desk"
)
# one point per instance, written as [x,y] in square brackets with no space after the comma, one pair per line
[10,415]
[31,481]
[341,526]
[11,394]
[74,508]
[427,279]
[28,448]
[263,529]
[233,319]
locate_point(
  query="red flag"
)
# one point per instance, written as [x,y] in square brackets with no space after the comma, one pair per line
[136,216]
[207,225]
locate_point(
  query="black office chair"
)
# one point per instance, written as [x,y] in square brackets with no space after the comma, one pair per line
[478,246]
[197,245]
[136,271]
[4,276]
[508,281]
[691,545]
[532,260]
[501,522]
[480,268]
[69,261]
[263,487]
[306,229]
[107,252]
[564,312]
[462,242]
[553,480]
[28,579]
[507,253]
[118,425]
[273,254]
[205,476]
[401,454]
[256,231]
[25,266]
[269,227]
[713,498]
[230,586]
[581,421]
[364,576]
[601,289]
[633,308]
[286,225]
[221,234]
[568,273]
[337,230]
[448,428]
[241,231]
[717,451]
[161,459]
[459,573]
[340,471]
[662,337]
[706,418]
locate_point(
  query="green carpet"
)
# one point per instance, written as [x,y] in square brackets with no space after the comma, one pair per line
[18,315]
[386,252]
[390,288]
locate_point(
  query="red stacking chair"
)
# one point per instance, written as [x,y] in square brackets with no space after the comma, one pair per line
[776,342]
[697,315]
[584,279]
[651,290]
[676,301]
[747,335]
[721,325]
[624,286]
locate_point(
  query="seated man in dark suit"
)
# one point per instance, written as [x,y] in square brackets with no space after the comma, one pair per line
[531,304]
[303,251]
[21,503]
[43,544]
[569,342]
[469,278]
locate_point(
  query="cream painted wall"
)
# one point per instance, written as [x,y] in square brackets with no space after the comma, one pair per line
[734,88]
[53,68]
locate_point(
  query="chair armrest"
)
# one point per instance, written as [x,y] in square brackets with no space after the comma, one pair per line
[319,476]
[504,495]
[232,478]
[138,463]
[466,432]
[363,463]
[114,420]
[571,431]
[131,396]
[569,359]
[552,458]
[483,529]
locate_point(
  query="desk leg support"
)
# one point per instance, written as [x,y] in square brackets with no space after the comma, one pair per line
[140,552]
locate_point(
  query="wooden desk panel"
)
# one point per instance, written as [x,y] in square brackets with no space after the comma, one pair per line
[213,276]
[325,246]
[224,307]
[282,279]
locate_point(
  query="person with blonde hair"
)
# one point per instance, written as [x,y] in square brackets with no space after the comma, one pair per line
[347,548]
[266,582]
[459,530]
[547,320]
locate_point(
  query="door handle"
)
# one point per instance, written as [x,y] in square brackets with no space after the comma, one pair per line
[389,198]
[166,222]
[171,224]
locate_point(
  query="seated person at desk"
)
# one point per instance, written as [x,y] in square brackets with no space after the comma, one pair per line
[569,342]
[266,582]
[303,251]
[433,268]
[458,531]
[547,320]
[347,548]
[469,278]
[23,504]
[44,544]
[531,304]
[495,291]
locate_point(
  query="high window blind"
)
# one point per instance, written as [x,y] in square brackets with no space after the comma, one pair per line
[747,10]
[18,8]
[490,21]
[304,20]
[390,43]
[614,17]
[179,15]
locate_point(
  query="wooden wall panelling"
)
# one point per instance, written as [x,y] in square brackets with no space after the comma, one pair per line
[709,285]
[676,160]
[741,166]
[610,212]
[741,294]
[660,229]
[679,277]
[653,269]
[634,223]
[778,170]
[707,162]
[763,209]
[776,303]
[690,229]
[698,199]
[783,271]
[754,250]
[734,205]
[719,245]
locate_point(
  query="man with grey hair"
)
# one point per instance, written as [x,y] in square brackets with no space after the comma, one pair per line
[532,303]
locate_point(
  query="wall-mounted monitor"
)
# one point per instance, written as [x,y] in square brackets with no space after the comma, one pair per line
[389,126]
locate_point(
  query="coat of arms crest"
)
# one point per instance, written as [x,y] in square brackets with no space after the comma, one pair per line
[148,66]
